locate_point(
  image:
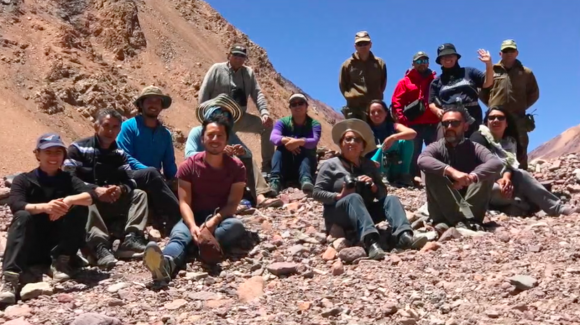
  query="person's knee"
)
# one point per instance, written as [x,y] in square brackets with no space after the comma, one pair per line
[180,234]
[230,230]
[353,198]
[22,218]
[390,200]
[139,195]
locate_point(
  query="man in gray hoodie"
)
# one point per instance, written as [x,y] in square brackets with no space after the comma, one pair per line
[239,82]
[459,175]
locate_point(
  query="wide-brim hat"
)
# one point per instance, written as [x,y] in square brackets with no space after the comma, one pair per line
[223,101]
[446,49]
[357,126]
[153,91]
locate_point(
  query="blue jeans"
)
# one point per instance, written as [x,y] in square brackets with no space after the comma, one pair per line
[351,212]
[289,167]
[426,133]
[226,233]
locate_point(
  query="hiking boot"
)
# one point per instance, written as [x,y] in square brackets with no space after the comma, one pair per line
[60,269]
[306,186]
[160,266]
[105,258]
[10,284]
[275,186]
[406,180]
[132,247]
[376,252]
[408,240]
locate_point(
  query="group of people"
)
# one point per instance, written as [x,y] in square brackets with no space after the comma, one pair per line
[114,183]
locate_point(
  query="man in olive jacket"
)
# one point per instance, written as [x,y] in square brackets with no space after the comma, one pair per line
[363,77]
[516,89]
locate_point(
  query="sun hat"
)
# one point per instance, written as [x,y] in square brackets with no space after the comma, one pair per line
[225,102]
[357,126]
[153,91]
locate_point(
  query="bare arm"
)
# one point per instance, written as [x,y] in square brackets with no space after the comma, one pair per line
[404,133]
[185,196]
[236,194]
[84,199]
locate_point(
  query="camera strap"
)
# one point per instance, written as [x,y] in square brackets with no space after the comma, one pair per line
[354,170]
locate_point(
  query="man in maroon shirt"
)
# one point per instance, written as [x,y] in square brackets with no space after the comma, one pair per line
[207,180]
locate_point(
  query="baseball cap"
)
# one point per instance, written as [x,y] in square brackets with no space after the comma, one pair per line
[297,96]
[239,49]
[362,36]
[49,140]
[419,55]
[508,44]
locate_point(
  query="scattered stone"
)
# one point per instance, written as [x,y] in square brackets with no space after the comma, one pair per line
[154,235]
[337,268]
[340,244]
[34,290]
[18,321]
[329,254]
[16,311]
[283,268]
[450,234]
[251,289]
[175,304]
[523,282]
[95,319]
[430,246]
[350,254]
[117,286]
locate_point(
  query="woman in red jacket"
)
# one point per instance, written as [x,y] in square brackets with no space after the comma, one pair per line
[410,105]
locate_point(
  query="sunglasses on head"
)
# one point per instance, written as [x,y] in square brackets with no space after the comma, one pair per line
[353,139]
[496,117]
[296,104]
[421,61]
[363,43]
[453,123]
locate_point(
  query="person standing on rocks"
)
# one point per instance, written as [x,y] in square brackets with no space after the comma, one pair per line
[98,161]
[224,106]
[239,82]
[347,186]
[363,77]
[515,191]
[295,137]
[410,103]
[458,86]
[459,175]
[50,214]
[211,185]
[515,88]
[149,148]
[394,144]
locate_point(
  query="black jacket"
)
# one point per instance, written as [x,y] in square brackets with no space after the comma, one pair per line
[33,188]
[92,164]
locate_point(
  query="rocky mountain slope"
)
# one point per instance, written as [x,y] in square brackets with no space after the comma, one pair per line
[566,143]
[62,60]
[522,271]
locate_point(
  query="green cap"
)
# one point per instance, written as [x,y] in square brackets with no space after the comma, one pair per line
[419,55]
[508,44]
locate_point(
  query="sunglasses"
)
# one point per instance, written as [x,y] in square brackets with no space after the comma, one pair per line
[353,140]
[421,61]
[363,43]
[238,55]
[496,117]
[453,123]
[296,104]
[508,51]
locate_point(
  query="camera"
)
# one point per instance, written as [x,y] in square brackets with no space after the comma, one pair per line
[351,182]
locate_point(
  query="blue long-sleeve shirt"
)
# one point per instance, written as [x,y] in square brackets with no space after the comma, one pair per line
[194,144]
[148,147]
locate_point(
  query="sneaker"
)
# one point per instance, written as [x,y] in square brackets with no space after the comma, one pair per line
[132,247]
[105,258]
[60,269]
[306,186]
[160,266]
[275,186]
[376,252]
[10,282]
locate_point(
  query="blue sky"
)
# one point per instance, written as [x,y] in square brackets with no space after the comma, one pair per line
[307,41]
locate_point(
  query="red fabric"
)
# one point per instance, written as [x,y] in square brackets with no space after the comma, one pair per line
[408,90]
[210,187]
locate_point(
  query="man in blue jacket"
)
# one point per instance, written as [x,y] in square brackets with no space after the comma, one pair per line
[149,148]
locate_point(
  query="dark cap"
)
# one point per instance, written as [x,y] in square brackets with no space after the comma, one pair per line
[419,55]
[446,49]
[49,140]
[362,36]
[239,49]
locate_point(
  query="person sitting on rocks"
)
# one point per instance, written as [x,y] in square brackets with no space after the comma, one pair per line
[348,184]
[224,106]
[515,190]
[295,137]
[149,148]
[394,144]
[211,185]
[97,160]
[50,214]
[459,175]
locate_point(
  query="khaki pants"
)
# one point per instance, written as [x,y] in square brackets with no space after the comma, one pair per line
[354,112]
[253,124]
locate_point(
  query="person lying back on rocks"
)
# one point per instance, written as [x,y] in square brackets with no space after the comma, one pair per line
[208,181]
[97,160]
[149,147]
[394,144]
[50,214]
[295,137]
[348,185]
[459,175]
[262,195]
[515,190]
